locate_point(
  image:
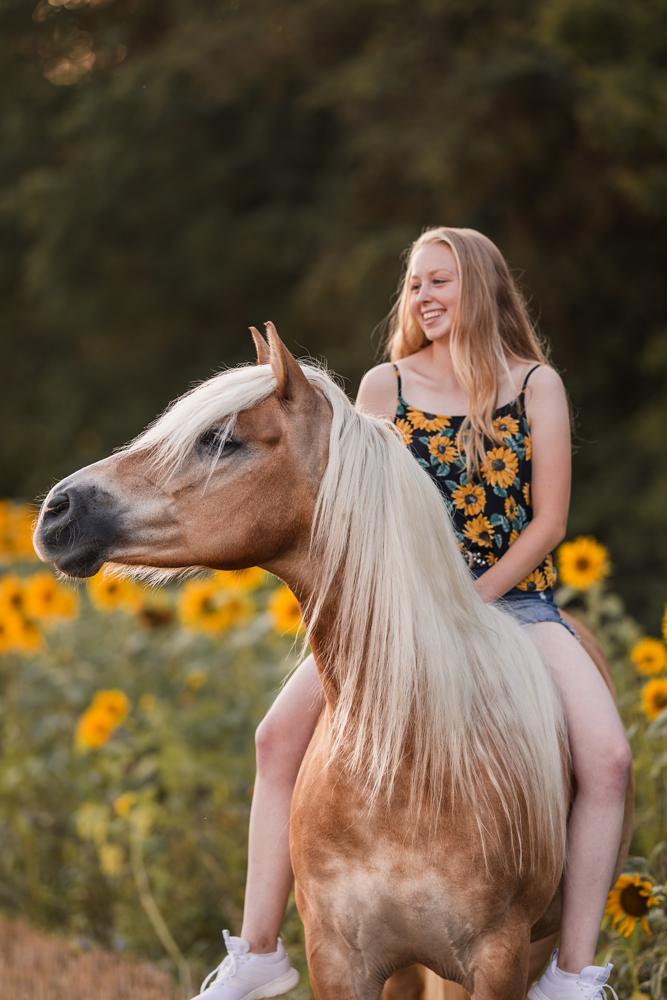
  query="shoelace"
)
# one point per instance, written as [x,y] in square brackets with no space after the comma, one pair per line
[227,967]
[595,991]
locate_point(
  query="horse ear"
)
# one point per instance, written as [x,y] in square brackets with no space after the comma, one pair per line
[261,346]
[286,368]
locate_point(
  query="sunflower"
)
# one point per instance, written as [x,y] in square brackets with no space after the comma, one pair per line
[500,467]
[12,593]
[471,499]
[654,698]
[479,531]
[156,610]
[421,422]
[534,581]
[649,656]
[526,493]
[511,508]
[238,607]
[442,449]
[664,624]
[200,607]
[205,606]
[628,903]
[514,534]
[114,702]
[93,729]
[241,579]
[528,447]
[45,598]
[582,563]
[124,804]
[285,611]
[406,430]
[111,593]
[506,425]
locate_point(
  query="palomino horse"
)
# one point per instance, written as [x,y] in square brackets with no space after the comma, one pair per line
[429,817]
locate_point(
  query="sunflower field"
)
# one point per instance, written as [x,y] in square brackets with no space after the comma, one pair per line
[127,755]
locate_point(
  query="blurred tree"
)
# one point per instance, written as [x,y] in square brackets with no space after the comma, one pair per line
[171,173]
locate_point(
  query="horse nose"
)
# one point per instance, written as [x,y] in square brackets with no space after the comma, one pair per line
[56,506]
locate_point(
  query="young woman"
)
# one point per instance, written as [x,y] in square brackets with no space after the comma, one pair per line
[470,389]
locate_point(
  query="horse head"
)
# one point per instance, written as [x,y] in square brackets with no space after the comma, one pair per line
[226,478]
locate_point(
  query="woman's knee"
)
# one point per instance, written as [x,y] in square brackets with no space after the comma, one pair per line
[278,752]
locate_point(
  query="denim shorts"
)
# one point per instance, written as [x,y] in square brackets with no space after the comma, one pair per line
[530,606]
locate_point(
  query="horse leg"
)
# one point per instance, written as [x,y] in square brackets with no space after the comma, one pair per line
[499,964]
[420,983]
[339,973]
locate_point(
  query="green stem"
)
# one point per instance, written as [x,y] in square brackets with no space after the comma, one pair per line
[152,911]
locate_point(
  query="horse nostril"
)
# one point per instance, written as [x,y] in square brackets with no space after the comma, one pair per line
[57,504]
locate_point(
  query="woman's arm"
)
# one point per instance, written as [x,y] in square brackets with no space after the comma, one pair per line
[549,421]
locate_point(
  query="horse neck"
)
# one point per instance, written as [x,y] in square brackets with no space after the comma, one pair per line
[298,572]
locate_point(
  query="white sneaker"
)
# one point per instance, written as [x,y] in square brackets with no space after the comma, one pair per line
[244,975]
[589,984]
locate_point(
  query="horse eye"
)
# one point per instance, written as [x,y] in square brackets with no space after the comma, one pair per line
[211,440]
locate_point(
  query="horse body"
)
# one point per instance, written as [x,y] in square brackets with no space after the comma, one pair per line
[428,820]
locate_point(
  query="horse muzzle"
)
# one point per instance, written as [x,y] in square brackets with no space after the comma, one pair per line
[76,527]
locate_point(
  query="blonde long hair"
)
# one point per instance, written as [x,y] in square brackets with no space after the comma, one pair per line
[491,326]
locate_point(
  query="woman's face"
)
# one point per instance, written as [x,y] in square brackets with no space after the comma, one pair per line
[434,289]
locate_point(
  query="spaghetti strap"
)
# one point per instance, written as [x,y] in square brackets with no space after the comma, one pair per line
[525,381]
[400,386]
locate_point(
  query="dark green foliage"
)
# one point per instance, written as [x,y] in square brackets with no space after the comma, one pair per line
[223,163]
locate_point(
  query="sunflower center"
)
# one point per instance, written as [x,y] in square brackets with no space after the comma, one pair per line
[583,564]
[660,699]
[470,498]
[633,903]
[498,464]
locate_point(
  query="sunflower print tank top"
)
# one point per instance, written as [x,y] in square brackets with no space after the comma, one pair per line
[489,511]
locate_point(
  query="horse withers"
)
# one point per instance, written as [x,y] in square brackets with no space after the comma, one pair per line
[429,818]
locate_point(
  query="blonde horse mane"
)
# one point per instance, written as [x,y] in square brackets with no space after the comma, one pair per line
[427,674]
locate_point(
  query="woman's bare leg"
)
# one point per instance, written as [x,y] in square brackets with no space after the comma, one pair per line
[282,739]
[601,760]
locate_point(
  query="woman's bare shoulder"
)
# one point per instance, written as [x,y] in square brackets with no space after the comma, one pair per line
[377,393]
[543,378]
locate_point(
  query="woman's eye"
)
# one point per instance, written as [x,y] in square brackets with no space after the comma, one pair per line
[213,441]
